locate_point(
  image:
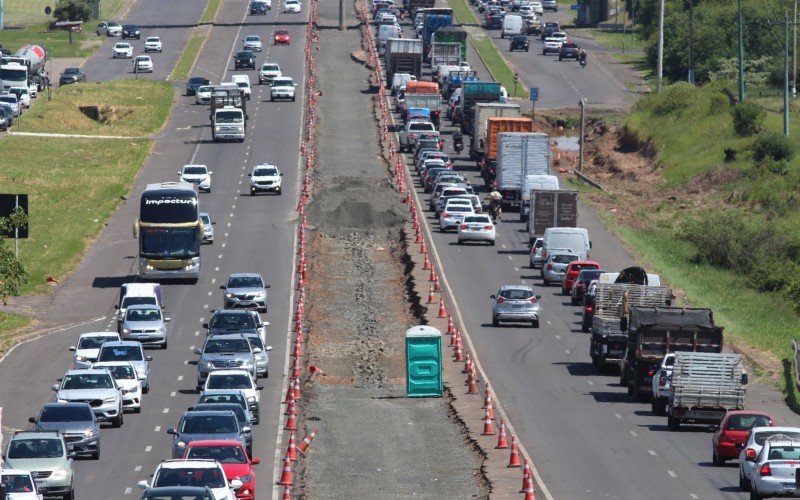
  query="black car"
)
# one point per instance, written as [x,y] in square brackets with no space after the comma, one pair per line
[195,83]
[494,20]
[258,8]
[182,492]
[71,75]
[585,277]
[245,59]
[569,50]
[519,42]
[6,117]
[131,31]
[588,310]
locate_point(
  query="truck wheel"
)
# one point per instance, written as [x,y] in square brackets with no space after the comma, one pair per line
[584,327]
[673,424]
[535,323]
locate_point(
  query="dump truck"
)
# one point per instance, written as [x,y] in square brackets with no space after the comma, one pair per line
[551,208]
[433,102]
[403,55]
[445,53]
[433,20]
[519,155]
[451,35]
[482,112]
[494,126]
[613,302]
[705,386]
[655,331]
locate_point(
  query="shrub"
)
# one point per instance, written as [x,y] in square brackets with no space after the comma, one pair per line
[772,276]
[72,10]
[748,117]
[674,99]
[773,146]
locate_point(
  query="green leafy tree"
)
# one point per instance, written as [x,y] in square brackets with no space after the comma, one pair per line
[12,272]
[72,10]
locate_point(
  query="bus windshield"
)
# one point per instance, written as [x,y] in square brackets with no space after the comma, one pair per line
[170,243]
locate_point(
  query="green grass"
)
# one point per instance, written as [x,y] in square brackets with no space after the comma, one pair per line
[188,57]
[23,12]
[613,39]
[12,321]
[499,67]
[56,42]
[133,108]
[211,11]
[463,13]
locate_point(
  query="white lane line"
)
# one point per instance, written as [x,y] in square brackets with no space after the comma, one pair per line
[128,491]
[214,280]
[147,449]
[157,429]
[566,351]
[633,433]
[138,468]
[509,257]
[196,334]
[618,415]
[652,452]
[220,256]
[166,410]
[516,269]
[558,337]
[216,268]
[172,395]
[549,323]
[202,320]
[502,246]
[590,382]
[672,474]
[694,496]
[209,293]
[223,245]
[205,306]
[180,377]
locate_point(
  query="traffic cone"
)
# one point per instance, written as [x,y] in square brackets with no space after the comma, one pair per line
[487,396]
[423,248]
[431,298]
[459,353]
[287,493]
[291,423]
[467,365]
[432,275]
[451,327]
[472,385]
[530,494]
[289,393]
[291,407]
[436,286]
[297,351]
[296,369]
[488,425]
[418,238]
[296,389]
[286,477]
[452,341]
[502,440]
[291,452]
[513,459]
[442,310]
[526,471]
[490,409]
[306,441]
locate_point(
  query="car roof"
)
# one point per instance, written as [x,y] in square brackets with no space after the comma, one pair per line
[98,334]
[209,413]
[231,312]
[244,275]
[516,287]
[232,371]
[36,434]
[747,412]
[87,371]
[142,306]
[225,336]
[122,343]
[193,463]
[214,442]
[67,403]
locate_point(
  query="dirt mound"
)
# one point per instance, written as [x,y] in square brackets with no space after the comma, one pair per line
[351,205]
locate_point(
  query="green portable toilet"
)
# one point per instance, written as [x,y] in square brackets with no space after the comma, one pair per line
[423,362]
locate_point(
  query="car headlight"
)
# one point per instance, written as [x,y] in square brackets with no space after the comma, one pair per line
[251,399]
[109,400]
[216,129]
[246,479]
[126,330]
[80,358]
[228,295]
[90,433]
[60,474]
[62,400]
[181,444]
[208,364]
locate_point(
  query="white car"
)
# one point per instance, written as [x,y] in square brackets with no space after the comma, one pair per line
[478,227]
[776,469]
[122,49]
[268,72]
[282,88]
[537,8]
[386,18]
[551,46]
[92,385]
[453,215]
[22,95]
[203,94]
[236,378]
[265,177]
[20,485]
[755,441]
[197,174]
[561,36]
[88,347]
[194,472]
[536,253]
[292,6]
[33,89]
[252,42]
[152,44]
[243,82]
[125,374]
[142,64]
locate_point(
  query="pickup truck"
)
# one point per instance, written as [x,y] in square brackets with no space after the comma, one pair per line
[412,131]
[661,382]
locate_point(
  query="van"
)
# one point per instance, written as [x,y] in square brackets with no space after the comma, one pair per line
[138,293]
[573,238]
[386,31]
[243,82]
[399,80]
[512,25]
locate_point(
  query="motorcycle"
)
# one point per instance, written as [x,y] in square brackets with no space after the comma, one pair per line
[458,143]
[495,211]
[582,59]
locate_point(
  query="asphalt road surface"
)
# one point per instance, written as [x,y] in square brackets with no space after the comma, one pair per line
[253,234]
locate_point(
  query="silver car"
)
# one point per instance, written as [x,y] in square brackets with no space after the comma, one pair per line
[776,469]
[262,357]
[555,267]
[146,324]
[222,352]
[252,42]
[752,447]
[96,387]
[76,422]
[125,375]
[129,350]
[515,303]
[208,228]
[89,347]
[245,290]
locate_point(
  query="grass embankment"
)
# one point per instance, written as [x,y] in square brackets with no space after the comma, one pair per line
[211,11]
[57,42]
[25,12]
[188,57]
[690,128]
[463,13]
[10,323]
[75,184]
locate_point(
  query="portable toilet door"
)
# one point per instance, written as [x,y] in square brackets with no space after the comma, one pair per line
[423,362]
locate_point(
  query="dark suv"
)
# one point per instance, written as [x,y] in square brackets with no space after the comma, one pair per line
[258,8]
[549,28]
[519,42]
[569,50]
[131,31]
[244,59]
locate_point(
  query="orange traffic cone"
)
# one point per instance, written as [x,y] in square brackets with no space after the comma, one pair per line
[306,441]
[286,476]
[451,327]
[526,472]
[291,423]
[488,425]
[427,264]
[502,441]
[442,311]
[296,389]
[423,248]
[467,365]
[292,451]
[436,286]
[490,409]
[432,276]
[459,353]
[289,393]
[287,493]
[513,460]
[487,396]
[529,493]
[431,298]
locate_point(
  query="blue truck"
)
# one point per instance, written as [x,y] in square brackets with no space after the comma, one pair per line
[432,20]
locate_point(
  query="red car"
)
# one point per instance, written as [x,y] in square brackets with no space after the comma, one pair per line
[573,270]
[282,37]
[733,431]
[233,458]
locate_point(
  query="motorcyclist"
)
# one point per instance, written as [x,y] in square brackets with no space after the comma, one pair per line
[495,210]
[582,57]
[458,141]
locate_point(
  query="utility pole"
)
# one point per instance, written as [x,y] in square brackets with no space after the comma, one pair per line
[741,53]
[1,15]
[660,61]
[582,105]
[786,73]
[794,51]
[691,41]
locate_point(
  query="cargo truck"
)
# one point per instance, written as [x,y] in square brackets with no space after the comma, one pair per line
[497,125]
[551,208]
[457,78]
[228,113]
[403,55]
[705,386]
[471,94]
[432,20]
[519,155]
[482,112]
[452,34]
[445,53]
[430,101]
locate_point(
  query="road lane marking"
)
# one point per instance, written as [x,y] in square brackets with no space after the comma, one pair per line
[590,382]
[205,306]
[157,429]
[147,449]
[693,496]
[549,323]
[633,433]
[180,377]
[138,468]
[566,351]
[510,258]
[166,410]
[652,452]
[128,491]
[214,280]
[209,293]
[223,245]
[618,415]
[216,268]
[672,474]
[558,337]
[172,394]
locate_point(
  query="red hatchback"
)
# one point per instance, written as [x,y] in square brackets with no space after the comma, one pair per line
[233,458]
[733,430]
[573,270]
[282,37]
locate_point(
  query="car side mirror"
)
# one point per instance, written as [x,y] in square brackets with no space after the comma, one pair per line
[148,358]
[538,297]
[745,378]
[72,348]
[268,348]
[260,387]
[172,431]
[54,387]
[257,350]
[247,429]
[249,175]
[281,174]
[210,173]
[178,173]
[213,223]
[32,420]
[205,325]
[590,244]
[167,320]
[255,461]
[236,484]
[143,485]
[197,351]
[492,296]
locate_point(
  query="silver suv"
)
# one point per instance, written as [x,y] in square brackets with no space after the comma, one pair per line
[76,422]
[245,290]
[515,303]
[45,454]
[146,324]
[224,352]
[95,387]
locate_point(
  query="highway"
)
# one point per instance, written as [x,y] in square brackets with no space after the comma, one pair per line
[253,234]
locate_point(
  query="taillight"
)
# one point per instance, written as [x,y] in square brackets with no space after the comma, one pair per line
[650,373]
[411,135]
[532,300]
[489,227]
[662,380]
[500,300]
[765,470]
[549,267]
[589,309]
[750,453]
[437,112]
[445,214]
[463,226]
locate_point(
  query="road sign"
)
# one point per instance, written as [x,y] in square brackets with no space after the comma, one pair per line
[9,203]
[534,94]
[573,7]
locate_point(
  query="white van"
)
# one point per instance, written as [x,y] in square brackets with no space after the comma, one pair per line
[386,31]
[243,82]
[574,238]
[137,293]
[400,79]
[512,25]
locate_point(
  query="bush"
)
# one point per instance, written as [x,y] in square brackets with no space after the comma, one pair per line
[674,99]
[773,146]
[748,117]
[72,10]
[772,276]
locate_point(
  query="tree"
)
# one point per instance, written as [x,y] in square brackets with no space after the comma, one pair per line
[72,10]
[12,272]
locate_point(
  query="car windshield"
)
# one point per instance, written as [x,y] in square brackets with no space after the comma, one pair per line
[195,170]
[516,294]
[93,342]
[244,55]
[270,67]
[229,117]
[761,437]
[255,341]
[421,126]
[785,452]
[234,407]
[198,80]
[87,381]
[263,172]
[187,476]
[141,314]
[238,381]
[209,424]
[122,46]
[216,346]
[121,353]
[225,321]
[12,99]
[564,258]
[282,82]
[459,208]
[481,219]
[578,267]
[135,301]
[252,39]
[121,372]
[242,85]
[282,32]
[206,219]
[36,448]
[17,483]
[747,422]
[222,398]
[222,454]
[65,413]
[142,58]
[153,39]
[245,281]
[113,24]
[177,496]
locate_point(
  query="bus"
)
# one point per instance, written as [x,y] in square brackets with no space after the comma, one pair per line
[170,231]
